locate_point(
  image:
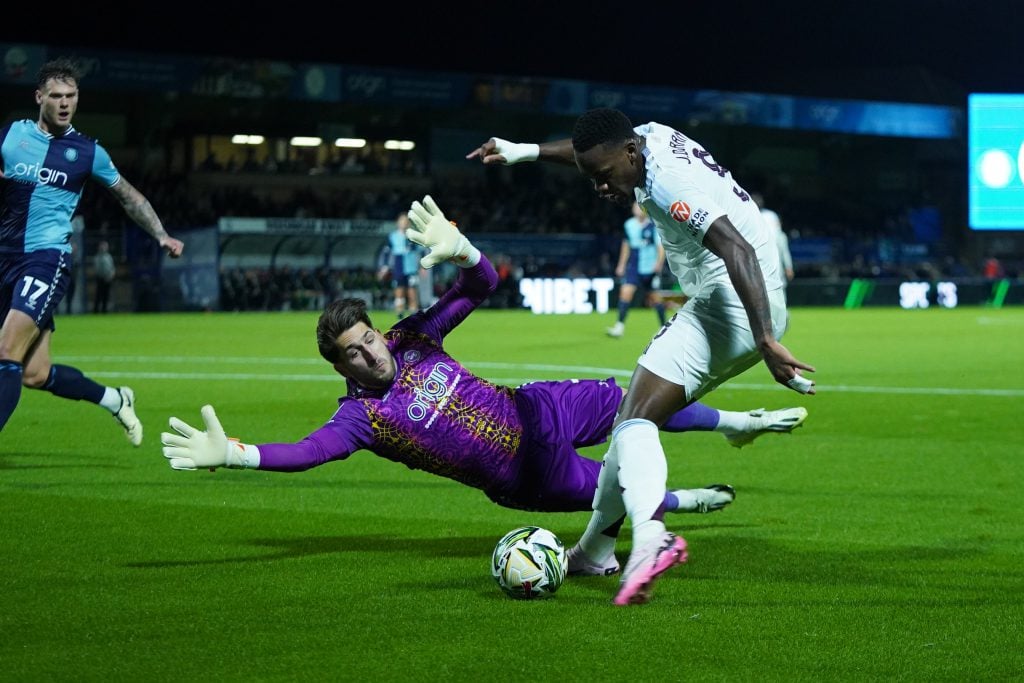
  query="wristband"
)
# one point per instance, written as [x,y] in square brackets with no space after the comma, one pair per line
[514,152]
[242,456]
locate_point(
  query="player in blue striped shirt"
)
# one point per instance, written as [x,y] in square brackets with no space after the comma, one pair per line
[640,260]
[43,168]
[401,260]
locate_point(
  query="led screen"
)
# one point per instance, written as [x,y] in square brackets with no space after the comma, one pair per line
[995,157]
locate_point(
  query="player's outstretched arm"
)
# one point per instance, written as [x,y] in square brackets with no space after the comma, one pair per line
[191,449]
[432,230]
[141,211]
[499,151]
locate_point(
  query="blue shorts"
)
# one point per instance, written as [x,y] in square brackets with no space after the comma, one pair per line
[399,278]
[403,280]
[34,283]
[558,418]
[638,280]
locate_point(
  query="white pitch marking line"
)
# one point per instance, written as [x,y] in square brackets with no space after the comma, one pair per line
[563,371]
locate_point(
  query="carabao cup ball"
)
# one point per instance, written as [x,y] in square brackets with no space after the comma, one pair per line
[528,563]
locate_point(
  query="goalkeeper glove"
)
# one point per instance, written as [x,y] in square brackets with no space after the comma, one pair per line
[191,449]
[432,230]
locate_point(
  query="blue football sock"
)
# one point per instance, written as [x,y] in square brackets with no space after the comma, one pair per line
[10,389]
[68,382]
[660,310]
[694,417]
[623,310]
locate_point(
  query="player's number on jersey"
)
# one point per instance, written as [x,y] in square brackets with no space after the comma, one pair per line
[722,171]
[40,289]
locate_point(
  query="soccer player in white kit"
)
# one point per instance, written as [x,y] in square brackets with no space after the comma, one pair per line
[774,224]
[718,248]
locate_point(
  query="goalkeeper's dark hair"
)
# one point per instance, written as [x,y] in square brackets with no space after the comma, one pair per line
[601,127]
[60,69]
[339,316]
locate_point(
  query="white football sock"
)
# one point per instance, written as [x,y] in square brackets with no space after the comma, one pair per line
[597,541]
[729,421]
[643,474]
[111,399]
[687,500]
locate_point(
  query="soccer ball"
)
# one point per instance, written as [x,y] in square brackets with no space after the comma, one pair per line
[529,562]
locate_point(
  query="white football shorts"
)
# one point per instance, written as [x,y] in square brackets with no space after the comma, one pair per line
[708,341]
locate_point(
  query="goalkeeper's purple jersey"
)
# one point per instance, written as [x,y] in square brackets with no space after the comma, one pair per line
[436,416]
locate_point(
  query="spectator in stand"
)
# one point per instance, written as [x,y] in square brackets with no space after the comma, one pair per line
[993,269]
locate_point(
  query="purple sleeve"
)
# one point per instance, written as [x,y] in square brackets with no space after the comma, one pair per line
[473,285]
[345,433]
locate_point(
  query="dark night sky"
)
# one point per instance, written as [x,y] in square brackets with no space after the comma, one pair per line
[742,44]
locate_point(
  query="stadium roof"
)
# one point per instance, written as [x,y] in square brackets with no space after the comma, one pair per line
[933,50]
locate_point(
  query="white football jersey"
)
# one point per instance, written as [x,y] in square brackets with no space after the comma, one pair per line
[684,192]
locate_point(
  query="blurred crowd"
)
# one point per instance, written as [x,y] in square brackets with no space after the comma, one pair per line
[504,201]
[521,199]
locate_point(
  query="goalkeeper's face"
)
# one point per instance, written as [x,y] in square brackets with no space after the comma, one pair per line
[365,358]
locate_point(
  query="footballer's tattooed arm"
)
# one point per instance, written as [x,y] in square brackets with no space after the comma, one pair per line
[141,211]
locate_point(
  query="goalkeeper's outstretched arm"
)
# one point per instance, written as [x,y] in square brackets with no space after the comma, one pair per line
[191,449]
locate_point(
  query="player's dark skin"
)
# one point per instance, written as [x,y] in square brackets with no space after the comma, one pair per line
[615,170]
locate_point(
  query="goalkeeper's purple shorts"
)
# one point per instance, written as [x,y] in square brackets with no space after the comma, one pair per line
[558,418]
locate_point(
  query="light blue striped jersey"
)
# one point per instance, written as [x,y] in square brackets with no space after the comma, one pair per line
[44,176]
[405,255]
[643,239]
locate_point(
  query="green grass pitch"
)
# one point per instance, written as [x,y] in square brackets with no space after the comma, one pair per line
[883,540]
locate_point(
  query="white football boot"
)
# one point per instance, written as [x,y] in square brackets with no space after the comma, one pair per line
[580,565]
[763,421]
[126,416]
[708,499]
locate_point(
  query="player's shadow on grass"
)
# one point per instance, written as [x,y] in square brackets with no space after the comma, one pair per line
[930,572]
[914,576]
[290,548]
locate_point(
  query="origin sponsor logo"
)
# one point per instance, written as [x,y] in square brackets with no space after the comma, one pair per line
[434,390]
[46,176]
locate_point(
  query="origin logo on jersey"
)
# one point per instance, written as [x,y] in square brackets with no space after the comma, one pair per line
[434,391]
[46,176]
[680,211]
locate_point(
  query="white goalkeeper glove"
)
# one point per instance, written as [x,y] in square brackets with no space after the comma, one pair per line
[192,449]
[514,152]
[432,230]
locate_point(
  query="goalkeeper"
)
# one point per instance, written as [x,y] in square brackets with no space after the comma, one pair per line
[411,402]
